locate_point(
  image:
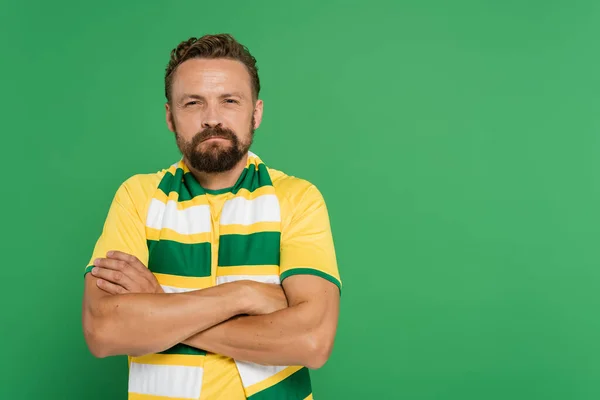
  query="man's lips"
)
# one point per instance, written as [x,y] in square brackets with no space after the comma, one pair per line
[214,138]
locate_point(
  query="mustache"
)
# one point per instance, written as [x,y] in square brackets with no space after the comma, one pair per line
[213,132]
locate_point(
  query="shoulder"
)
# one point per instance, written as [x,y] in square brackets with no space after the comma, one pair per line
[138,189]
[295,194]
[139,184]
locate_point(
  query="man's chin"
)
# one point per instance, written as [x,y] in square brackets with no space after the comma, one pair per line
[211,158]
[213,153]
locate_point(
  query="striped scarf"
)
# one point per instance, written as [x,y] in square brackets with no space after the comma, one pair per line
[180,232]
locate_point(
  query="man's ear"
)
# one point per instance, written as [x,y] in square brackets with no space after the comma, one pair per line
[258,113]
[169,117]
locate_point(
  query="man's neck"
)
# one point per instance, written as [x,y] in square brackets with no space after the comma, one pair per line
[219,180]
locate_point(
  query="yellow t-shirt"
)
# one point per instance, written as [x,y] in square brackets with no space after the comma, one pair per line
[306,247]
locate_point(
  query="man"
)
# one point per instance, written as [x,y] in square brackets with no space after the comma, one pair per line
[217,276]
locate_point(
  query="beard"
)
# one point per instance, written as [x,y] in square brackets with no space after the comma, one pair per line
[216,156]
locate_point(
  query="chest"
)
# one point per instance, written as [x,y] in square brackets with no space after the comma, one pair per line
[213,239]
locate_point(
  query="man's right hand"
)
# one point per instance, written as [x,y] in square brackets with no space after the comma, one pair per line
[264,298]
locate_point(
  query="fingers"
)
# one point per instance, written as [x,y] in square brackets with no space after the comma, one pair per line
[136,264]
[128,258]
[127,271]
[110,287]
[133,262]
[108,263]
[113,276]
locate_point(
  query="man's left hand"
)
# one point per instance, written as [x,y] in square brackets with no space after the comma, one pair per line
[122,273]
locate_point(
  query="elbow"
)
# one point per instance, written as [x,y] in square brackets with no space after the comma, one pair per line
[103,340]
[95,344]
[98,351]
[96,338]
[319,348]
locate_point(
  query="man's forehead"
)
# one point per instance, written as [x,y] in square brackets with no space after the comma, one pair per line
[220,75]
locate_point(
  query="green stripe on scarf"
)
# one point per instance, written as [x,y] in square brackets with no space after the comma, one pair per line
[253,178]
[183,259]
[173,183]
[261,248]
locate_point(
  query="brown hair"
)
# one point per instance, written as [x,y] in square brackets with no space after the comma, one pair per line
[211,46]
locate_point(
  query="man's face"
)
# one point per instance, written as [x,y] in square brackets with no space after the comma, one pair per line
[212,113]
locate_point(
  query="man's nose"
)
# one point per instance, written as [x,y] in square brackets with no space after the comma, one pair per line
[212,118]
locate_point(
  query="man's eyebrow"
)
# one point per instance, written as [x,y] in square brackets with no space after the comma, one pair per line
[191,96]
[232,94]
[200,97]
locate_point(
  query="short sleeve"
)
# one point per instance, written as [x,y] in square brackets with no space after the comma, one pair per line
[123,230]
[306,242]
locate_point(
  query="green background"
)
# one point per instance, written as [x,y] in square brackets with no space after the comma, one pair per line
[456,144]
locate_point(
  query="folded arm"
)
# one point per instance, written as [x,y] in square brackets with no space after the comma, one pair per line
[142,323]
[301,334]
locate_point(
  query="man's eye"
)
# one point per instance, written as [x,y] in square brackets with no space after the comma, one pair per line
[191,103]
[231,101]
